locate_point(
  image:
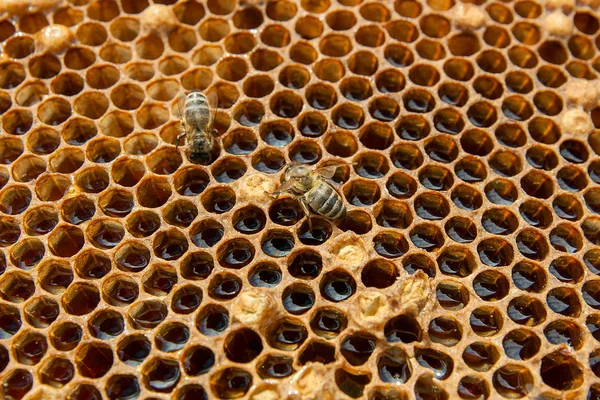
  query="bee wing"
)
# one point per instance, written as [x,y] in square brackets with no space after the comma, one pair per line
[329,171]
[213,103]
[285,186]
[181,109]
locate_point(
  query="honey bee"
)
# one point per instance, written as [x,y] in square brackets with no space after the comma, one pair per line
[314,190]
[197,116]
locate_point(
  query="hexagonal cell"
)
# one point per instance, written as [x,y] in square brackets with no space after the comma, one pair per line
[231,382]
[265,274]
[27,253]
[147,314]
[212,320]
[529,277]
[564,331]
[80,298]
[317,351]
[571,179]
[186,299]
[419,262]
[28,168]
[486,321]
[513,381]
[159,280]
[116,203]
[105,233]
[161,374]
[106,324]
[16,287]
[17,383]
[41,312]
[481,356]
[66,241]
[286,334]
[55,275]
[496,252]
[43,140]
[40,220]
[170,245]
[92,180]
[133,349]
[526,310]
[119,386]
[57,372]
[94,359]
[30,347]
[298,298]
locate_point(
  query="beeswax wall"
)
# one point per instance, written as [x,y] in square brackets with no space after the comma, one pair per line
[467,266]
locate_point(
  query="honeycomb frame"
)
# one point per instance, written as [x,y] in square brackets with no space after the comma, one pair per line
[467,266]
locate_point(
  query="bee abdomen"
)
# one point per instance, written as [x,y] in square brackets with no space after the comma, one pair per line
[327,202]
[197,110]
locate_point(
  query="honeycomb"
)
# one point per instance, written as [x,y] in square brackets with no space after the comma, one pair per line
[467,266]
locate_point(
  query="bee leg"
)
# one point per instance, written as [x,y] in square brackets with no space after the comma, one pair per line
[306,213]
[178,139]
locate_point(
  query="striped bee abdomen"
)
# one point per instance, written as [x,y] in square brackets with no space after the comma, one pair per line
[197,111]
[326,201]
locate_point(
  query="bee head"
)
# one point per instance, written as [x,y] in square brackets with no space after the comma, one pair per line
[199,158]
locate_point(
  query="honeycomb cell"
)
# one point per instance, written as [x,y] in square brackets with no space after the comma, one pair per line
[404,329]
[275,366]
[57,372]
[16,287]
[119,386]
[55,276]
[159,280]
[526,310]
[393,214]
[418,101]
[30,348]
[472,387]
[438,362]
[198,360]
[41,312]
[92,264]
[18,47]
[561,371]
[486,321]
[427,237]
[65,336]
[243,345]
[563,331]
[161,375]
[17,383]
[106,324]
[521,344]
[133,349]
[147,314]
[224,286]
[481,356]
[391,80]
[231,383]
[351,384]
[541,157]
[431,206]
[393,366]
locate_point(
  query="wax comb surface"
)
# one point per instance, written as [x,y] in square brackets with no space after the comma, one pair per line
[467,266]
